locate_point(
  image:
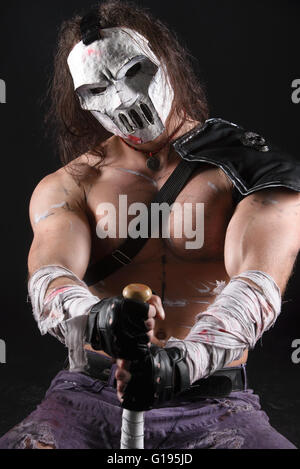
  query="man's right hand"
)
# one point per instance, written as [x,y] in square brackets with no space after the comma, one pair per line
[154,380]
[122,328]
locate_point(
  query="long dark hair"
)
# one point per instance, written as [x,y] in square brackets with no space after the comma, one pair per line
[77,131]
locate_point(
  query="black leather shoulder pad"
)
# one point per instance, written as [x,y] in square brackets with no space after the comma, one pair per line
[250,162]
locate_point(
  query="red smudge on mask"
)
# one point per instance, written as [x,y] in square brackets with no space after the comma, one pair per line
[91,51]
[203,332]
[134,139]
[222,330]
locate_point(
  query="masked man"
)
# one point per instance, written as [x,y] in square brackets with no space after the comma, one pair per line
[218,259]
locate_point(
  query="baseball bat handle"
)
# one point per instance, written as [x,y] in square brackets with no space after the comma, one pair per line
[132,432]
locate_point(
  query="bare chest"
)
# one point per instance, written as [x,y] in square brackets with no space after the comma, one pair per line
[192,229]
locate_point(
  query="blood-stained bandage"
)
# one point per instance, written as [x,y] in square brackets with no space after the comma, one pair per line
[245,308]
[63,313]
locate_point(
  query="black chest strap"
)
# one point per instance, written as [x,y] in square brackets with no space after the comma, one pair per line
[131,247]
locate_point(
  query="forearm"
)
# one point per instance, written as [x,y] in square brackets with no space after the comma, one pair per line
[62,312]
[59,283]
[246,307]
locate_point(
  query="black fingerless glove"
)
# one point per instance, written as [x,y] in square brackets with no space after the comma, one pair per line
[116,326]
[158,378]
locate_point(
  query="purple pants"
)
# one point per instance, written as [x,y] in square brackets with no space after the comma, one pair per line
[80,412]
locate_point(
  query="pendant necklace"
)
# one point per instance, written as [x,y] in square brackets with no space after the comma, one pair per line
[153,162]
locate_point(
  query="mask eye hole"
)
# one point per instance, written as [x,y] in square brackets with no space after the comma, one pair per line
[132,71]
[98,90]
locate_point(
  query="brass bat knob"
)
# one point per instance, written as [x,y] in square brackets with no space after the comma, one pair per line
[137,291]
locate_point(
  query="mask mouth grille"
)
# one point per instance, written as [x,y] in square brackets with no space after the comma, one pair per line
[147,113]
[136,119]
[126,123]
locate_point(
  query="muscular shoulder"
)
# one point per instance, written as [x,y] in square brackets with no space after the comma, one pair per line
[68,186]
[55,191]
[273,200]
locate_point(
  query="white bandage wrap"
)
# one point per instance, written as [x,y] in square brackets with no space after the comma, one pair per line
[64,312]
[235,321]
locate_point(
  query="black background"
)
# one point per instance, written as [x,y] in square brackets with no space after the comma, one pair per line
[247,56]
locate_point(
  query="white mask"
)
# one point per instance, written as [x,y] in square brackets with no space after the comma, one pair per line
[123,84]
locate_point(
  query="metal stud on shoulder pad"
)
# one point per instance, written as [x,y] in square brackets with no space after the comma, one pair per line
[254,140]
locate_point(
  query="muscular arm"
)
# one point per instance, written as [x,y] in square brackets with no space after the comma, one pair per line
[60,226]
[58,257]
[262,243]
[264,234]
